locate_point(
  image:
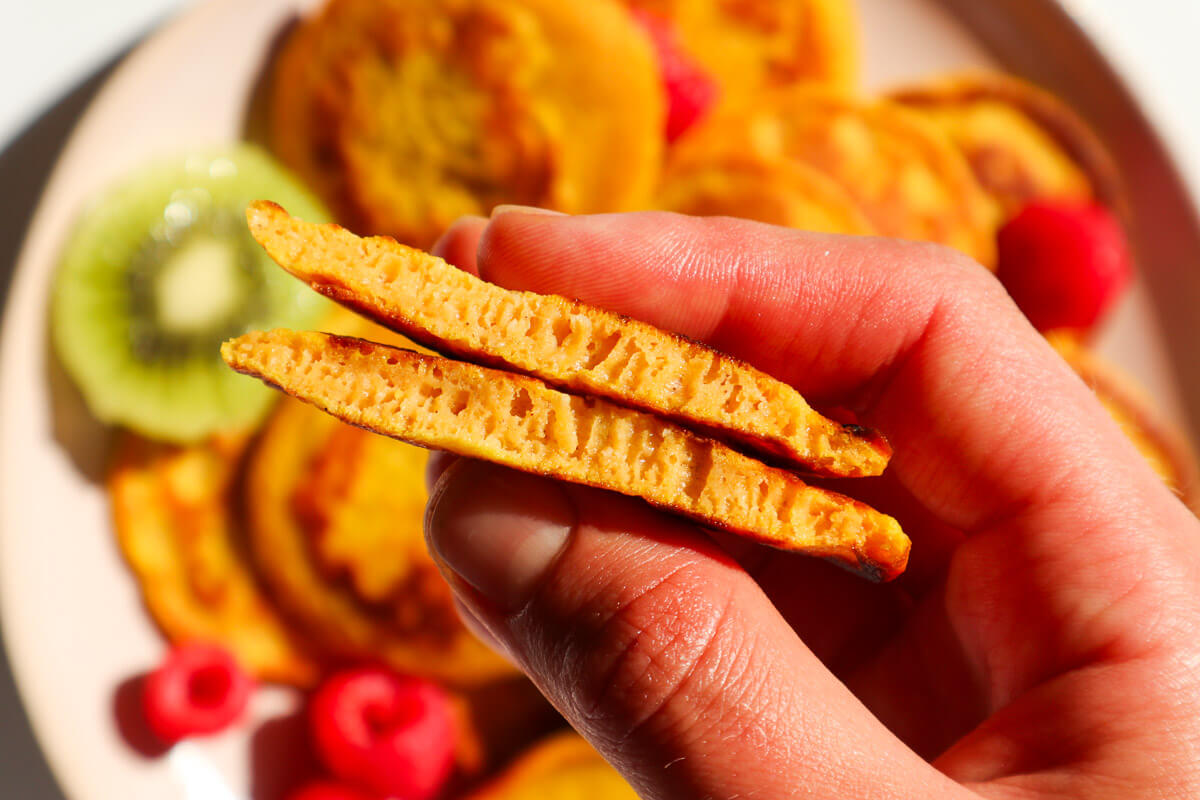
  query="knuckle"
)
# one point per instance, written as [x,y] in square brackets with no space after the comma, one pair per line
[647,655]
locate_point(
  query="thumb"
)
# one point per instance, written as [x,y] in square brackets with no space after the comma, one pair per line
[657,646]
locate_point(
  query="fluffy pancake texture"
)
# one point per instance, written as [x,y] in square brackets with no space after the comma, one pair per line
[566,343]
[521,422]
[181,537]
[1022,142]
[406,114]
[902,171]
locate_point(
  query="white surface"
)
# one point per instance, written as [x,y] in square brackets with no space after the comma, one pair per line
[73,624]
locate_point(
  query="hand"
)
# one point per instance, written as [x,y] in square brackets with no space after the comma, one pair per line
[1045,641]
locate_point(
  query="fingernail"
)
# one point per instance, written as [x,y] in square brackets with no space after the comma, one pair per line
[498,530]
[511,208]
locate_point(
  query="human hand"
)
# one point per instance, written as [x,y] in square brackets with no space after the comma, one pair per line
[1045,641]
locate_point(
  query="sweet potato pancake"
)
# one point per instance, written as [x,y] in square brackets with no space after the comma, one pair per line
[563,767]
[415,630]
[749,44]
[564,342]
[1163,445]
[901,170]
[781,192]
[181,539]
[406,114]
[521,422]
[1022,142]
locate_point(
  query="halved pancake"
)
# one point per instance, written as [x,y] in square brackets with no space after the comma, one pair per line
[749,44]
[521,422]
[1162,444]
[406,114]
[781,192]
[1022,142]
[564,342]
[902,171]
[172,506]
[563,767]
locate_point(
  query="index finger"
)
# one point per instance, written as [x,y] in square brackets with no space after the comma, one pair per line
[921,341]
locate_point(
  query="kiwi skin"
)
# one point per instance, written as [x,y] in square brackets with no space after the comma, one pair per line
[158,271]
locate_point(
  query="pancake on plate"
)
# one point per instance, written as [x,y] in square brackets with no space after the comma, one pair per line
[903,172]
[181,538]
[406,114]
[1021,141]
[563,767]
[788,193]
[749,44]
[1162,444]
[416,631]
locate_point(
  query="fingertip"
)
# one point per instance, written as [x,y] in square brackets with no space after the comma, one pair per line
[459,243]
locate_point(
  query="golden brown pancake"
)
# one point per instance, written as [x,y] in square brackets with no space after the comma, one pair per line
[566,343]
[520,422]
[1162,444]
[416,630]
[1021,141]
[900,170]
[563,767]
[788,193]
[749,44]
[406,114]
[180,536]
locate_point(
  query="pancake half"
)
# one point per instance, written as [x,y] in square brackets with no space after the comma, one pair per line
[406,114]
[178,531]
[521,422]
[564,342]
[788,193]
[1021,141]
[902,171]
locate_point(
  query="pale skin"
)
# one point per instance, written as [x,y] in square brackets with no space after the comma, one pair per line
[1044,643]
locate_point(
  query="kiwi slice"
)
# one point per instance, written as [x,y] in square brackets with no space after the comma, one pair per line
[158,272]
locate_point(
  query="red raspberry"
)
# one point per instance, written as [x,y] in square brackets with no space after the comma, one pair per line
[1065,264]
[328,790]
[198,689]
[387,733]
[690,91]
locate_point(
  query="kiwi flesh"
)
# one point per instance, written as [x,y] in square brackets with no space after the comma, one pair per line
[158,272]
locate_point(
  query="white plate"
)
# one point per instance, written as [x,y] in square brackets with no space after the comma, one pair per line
[75,629]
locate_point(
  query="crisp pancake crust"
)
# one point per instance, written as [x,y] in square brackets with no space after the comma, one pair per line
[521,422]
[1022,142]
[901,171]
[406,114]
[181,539]
[564,342]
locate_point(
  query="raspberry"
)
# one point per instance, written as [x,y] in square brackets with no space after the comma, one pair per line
[386,733]
[690,91]
[198,689]
[1065,264]
[328,790]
